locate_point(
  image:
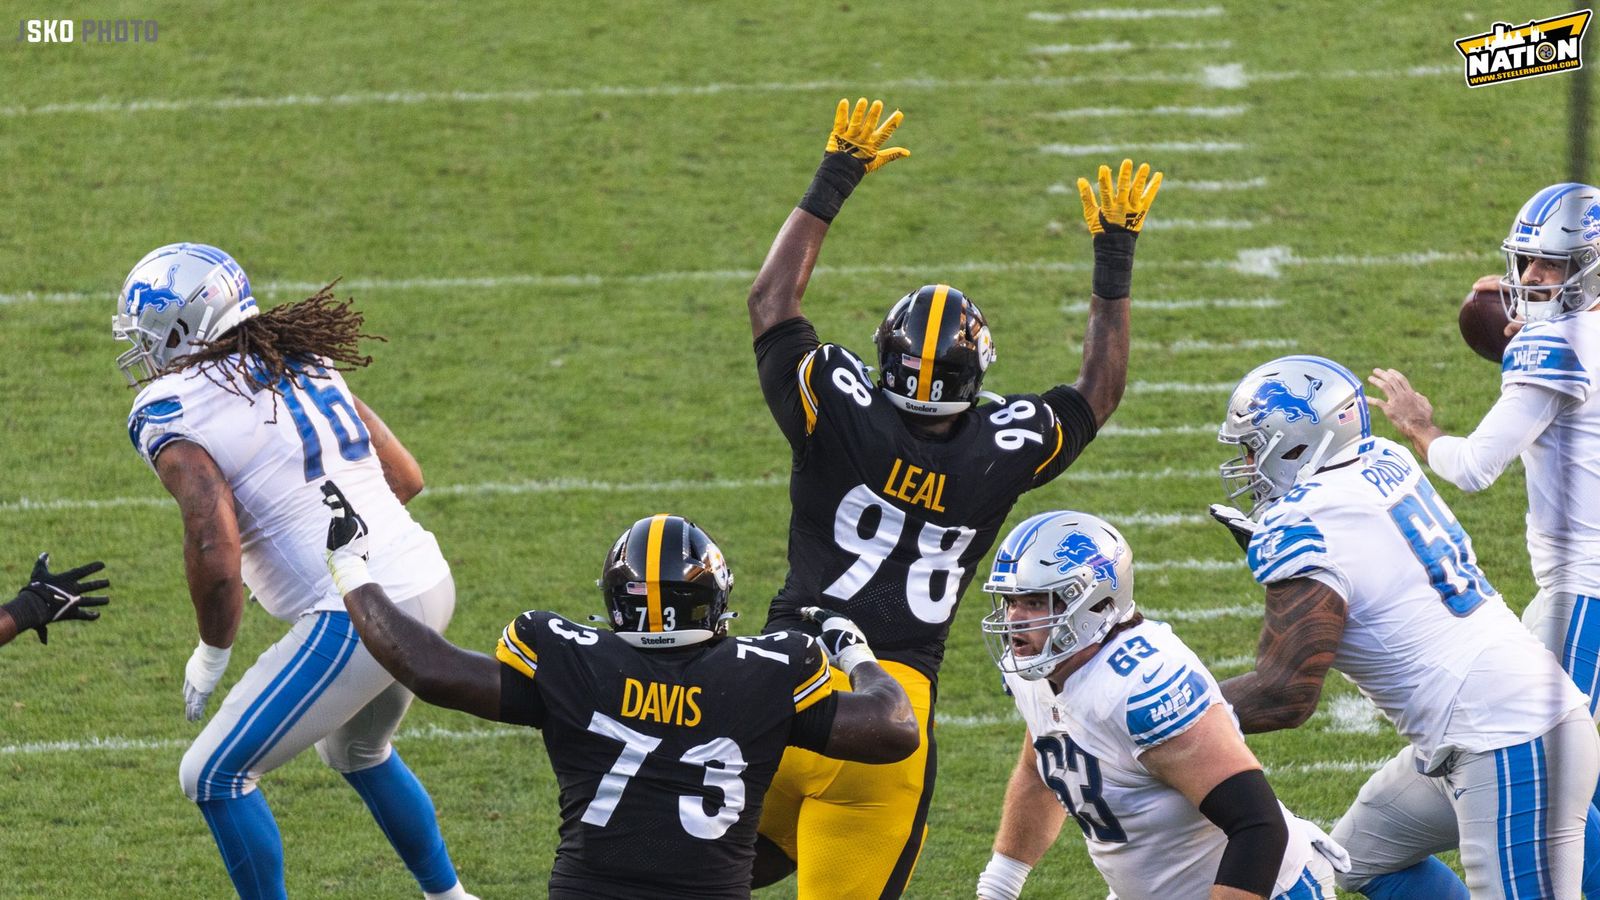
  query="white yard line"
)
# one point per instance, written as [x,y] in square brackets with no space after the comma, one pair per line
[1200,615]
[1182,387]
[1199,224]
[1114,430]
[1102,112]
[1126,13]
[1224,77]
[1353,714]
[1128,47]
[1148,147]
[1266,262]
[1198,303]
[1202,345]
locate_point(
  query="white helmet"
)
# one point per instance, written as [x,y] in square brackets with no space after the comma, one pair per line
[178,296]
[1562,223]
[1290,418]
[1081,561]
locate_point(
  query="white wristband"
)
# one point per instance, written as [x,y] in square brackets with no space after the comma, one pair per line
[349,571]
[854,655]
[1002,878]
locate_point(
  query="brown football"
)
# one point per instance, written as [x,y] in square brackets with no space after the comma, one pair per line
[1483,324]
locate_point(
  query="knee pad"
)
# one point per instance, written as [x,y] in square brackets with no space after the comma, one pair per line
[353,756]
[198,784]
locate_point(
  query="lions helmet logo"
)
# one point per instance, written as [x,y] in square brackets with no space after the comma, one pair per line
[1591,222]
[1273,396]
[1079,549]
[142,296]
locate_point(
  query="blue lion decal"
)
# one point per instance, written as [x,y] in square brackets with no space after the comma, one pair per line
[1079,549]
[1591,222]
[143,295]
[1273,396]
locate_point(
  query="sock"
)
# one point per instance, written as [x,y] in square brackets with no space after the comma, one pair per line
[404,811]
[251,846]
[1429,878]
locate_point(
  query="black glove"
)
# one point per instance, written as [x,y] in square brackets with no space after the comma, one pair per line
[1241,526]
[842,638]
[347,541]
[49,597]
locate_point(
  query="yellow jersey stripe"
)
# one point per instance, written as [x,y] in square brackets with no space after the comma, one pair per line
[808,399]
[1053,453]
[930,341]
[510,651]
[652,572]
[815,688]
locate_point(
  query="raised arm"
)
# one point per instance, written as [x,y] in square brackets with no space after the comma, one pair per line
[1303,623]
[434,669]
[400,468]
[855,147]
[1211,766]
[1030,821]
[1115,218]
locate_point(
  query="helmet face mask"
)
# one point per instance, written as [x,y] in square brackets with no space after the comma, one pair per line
[1560,224]
[177,297]
[933,349]
[666,584]
[1085,569]
[1290,417]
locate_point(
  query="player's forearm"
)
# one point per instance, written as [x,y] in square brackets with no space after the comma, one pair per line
[875,722]
[775,294]
[1104,375]
[1263,704]
[401,470]
[211,566]
[1031,817]
[420,658]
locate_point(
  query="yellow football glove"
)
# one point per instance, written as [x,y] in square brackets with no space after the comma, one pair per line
[1123,207]
[859,134]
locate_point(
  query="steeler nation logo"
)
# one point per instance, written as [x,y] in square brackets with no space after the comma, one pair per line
[1509,52]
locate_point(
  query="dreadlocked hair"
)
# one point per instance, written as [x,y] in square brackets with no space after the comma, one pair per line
[266,349]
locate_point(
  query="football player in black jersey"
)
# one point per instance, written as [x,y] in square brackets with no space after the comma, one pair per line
[899,488]
[663,732]
[51,597]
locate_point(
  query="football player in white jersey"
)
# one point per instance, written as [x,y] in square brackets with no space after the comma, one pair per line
[1366,570]
[242,416]
[1548,413]
[1127,733]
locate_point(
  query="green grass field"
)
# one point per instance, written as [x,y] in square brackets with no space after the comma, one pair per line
[553,213]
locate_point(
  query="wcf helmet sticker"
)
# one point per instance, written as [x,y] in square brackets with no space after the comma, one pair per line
[1510,52]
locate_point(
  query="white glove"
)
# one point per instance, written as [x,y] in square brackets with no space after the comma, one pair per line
[1002,878]
[1336,855]
[200,677]
[346,553]
[1241,526]
[842,638]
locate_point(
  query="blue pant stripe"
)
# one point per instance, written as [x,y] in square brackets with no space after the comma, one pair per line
[1580,655]
[343,640]
[1541,818]
[1523,798]
[250,715]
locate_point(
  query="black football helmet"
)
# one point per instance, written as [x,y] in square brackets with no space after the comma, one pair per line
[933,348]
[666,584]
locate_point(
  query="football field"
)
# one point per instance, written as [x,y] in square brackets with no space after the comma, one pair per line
[553,213]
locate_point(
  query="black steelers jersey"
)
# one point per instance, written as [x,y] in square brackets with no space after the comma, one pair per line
[662,756]
[888,527]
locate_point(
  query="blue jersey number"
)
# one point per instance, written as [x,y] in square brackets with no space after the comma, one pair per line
[326,398]
[1058,755]
[1126,658]
[1441,546]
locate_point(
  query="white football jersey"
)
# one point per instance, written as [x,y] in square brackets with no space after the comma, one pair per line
[276,452]
[1143,688]
[1563,464]
[1427,638]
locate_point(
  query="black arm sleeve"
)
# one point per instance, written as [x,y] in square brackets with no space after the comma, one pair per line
[1078,428]
[778,351]
[1247,811]
[521,702]
[809,730]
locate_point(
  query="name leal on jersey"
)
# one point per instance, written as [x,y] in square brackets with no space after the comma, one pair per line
[915,485]
[668,704]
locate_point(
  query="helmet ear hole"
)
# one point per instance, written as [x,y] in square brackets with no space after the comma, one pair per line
[1296,452]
